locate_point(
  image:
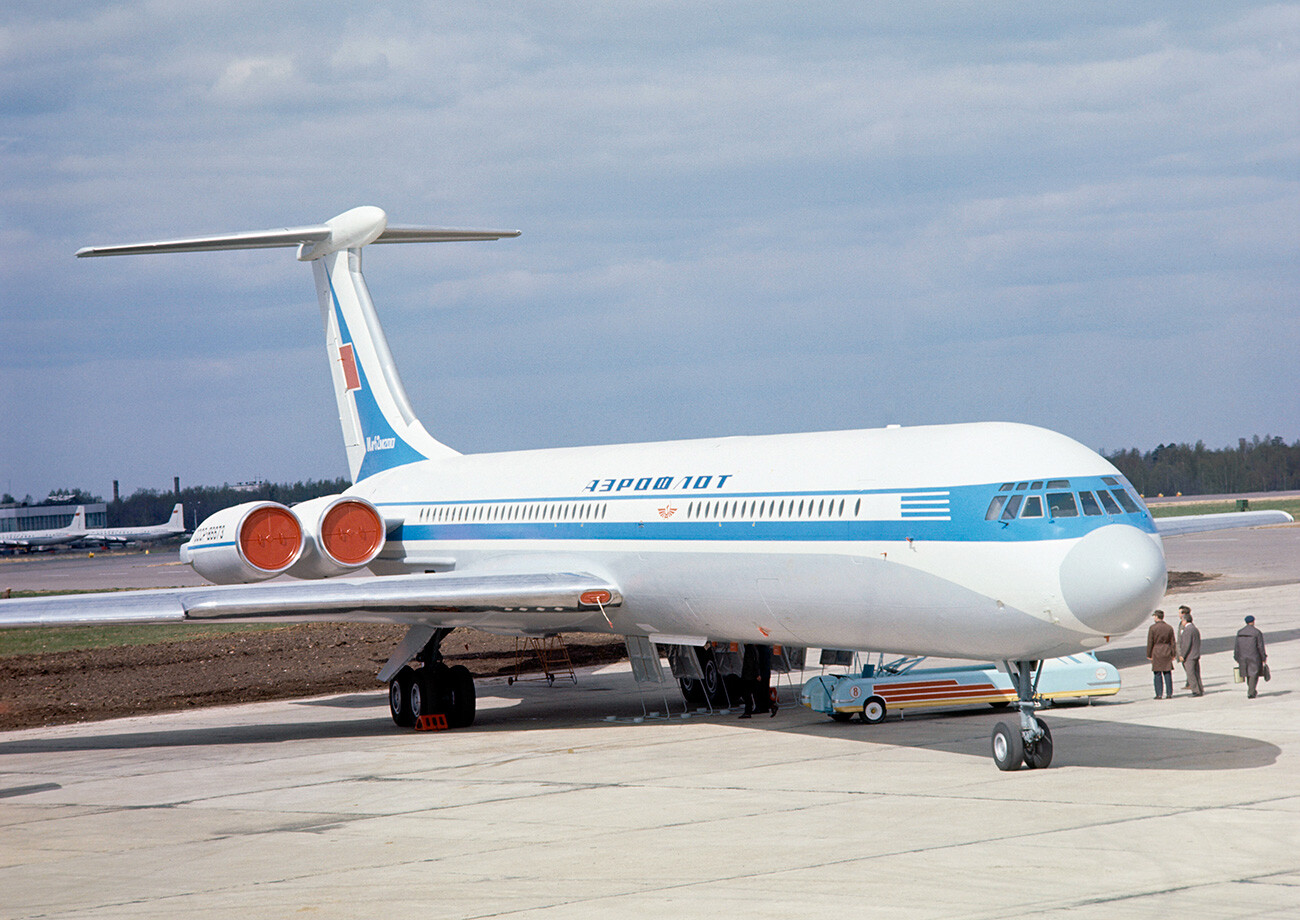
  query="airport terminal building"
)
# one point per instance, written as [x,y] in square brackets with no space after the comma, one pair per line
[49,517]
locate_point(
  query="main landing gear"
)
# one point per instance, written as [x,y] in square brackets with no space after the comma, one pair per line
[1031,742]
[432,689]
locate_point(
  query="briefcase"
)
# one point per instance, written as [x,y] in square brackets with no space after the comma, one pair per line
[1236,675]
[1263,670]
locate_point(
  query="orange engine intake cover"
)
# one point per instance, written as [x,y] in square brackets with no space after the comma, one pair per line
[270,538]
[352,533]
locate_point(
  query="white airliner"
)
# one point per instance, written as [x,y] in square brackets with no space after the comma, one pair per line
[54,537]
[171,527]
[988,541]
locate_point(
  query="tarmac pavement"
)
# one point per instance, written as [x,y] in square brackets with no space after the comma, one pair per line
[565,802]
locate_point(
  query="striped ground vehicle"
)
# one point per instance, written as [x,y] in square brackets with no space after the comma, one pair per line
[899,685]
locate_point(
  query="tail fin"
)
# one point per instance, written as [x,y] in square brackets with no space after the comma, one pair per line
[380,429]
[177,521]
[78,522]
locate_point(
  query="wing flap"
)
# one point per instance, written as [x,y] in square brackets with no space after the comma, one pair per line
[523,603]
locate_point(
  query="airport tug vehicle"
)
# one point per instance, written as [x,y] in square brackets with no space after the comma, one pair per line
[899,685]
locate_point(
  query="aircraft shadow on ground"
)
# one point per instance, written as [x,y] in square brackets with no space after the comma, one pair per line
[1080,741]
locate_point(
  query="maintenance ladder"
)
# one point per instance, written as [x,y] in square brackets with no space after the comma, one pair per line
[551,653]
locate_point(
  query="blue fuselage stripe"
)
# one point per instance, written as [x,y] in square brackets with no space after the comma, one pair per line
[954,514]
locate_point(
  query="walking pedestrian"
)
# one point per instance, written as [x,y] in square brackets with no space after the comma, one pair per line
[1189,650]
[1250,655]
[1161,651]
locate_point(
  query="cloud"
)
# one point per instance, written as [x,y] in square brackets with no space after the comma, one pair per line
[763,218]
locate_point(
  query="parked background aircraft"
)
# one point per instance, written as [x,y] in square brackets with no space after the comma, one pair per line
[53,537]
[989,541]
[173,526]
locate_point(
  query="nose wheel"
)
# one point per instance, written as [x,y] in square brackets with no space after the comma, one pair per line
[1030,742]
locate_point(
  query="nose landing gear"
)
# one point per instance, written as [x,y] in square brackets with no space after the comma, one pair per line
[1029,743]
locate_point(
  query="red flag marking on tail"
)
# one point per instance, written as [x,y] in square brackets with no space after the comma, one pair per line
[351,378]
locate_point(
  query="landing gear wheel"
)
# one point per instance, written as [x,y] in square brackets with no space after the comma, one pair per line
[419,700]
[399,692]
[1008,747]
[462,698]
[873,710]
[1038,754]
[707,690]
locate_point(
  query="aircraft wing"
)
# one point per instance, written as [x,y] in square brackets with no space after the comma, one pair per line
[1196,523]
[524,604]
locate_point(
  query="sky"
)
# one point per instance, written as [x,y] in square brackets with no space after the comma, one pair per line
[738,218]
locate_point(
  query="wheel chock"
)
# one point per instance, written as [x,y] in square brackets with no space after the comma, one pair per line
[436,722]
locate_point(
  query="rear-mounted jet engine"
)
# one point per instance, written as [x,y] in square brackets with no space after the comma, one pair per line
[249,542]
[341,533]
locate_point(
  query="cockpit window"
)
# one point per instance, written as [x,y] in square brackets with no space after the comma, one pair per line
[1007,487]
[1107,502]
[1033,507]
[1059,484]
[1061,504]
[1036,485]
[1110,480]
[1090,506]
[1021,486]
[1012,507]
[1122,497]
[995,506]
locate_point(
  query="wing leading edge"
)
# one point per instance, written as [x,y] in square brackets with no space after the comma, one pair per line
[525,604]
[1198,523]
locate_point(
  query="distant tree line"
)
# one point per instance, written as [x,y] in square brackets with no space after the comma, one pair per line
[1265,464]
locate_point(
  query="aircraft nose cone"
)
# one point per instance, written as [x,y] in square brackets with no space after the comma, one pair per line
[1113,578]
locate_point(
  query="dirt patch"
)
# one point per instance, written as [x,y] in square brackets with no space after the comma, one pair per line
[295,661]
[1188,579]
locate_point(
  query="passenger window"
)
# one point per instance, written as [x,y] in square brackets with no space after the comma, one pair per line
[1012,507]
[1033,507]
[1062,505]
[1090,506]
[1123,498]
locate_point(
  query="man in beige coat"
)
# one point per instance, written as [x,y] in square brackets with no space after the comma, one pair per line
[1161,651]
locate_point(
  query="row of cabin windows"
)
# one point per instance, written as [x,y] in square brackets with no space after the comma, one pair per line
[772,508]
[515,511]
[591,511]
[1060,504]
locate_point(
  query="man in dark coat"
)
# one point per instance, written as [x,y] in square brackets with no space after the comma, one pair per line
[1161,651]
[1250,655]
[1189,651]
